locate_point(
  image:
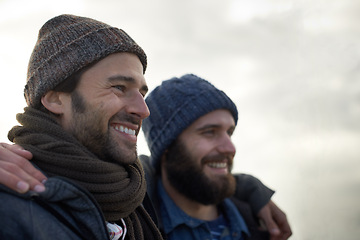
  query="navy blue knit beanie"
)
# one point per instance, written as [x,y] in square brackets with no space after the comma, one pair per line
[175,105]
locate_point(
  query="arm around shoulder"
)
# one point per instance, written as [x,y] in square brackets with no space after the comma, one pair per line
[252,190]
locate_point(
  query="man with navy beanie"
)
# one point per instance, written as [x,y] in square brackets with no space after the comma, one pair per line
[189,136]
[177,103]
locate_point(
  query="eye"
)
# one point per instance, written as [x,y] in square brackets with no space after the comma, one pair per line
[208,132]
[230,132]
[121,88]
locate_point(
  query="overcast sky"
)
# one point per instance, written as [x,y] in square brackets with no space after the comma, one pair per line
[292,68]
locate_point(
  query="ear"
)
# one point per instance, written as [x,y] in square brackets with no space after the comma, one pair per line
[163,157]
[55,102]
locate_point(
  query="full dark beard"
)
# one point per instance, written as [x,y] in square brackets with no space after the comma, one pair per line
[86,127]
[187,176]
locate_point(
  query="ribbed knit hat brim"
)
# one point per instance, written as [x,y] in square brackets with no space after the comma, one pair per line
[68,43]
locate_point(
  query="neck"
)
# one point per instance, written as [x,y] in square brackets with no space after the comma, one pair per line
[189,206]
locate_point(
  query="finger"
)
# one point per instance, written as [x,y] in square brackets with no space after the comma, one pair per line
[273,228]
[267,219]
[282,222]
[13,182]
[15,155]
[285,228]
[285,232]
[17,149]
[17,179]
[17,168]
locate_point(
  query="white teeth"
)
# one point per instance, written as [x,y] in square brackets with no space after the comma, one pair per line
[125,130]
[217,165]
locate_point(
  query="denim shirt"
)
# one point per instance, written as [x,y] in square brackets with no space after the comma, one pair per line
[179,226]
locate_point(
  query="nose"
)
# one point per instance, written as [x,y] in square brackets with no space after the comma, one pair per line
[138,106]
[226,145]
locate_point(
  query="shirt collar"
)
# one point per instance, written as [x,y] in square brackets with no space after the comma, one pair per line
[236,221]
[179,217]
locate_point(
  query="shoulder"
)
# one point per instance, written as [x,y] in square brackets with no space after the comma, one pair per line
[11,200]
[16,211]
[145,161]
[57,190]
[150,174]
[250,220]
[51,214]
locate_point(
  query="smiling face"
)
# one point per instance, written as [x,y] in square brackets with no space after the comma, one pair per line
[199,162]
[106,109]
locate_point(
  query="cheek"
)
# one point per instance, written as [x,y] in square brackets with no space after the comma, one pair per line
[199,149]
[66,121]
[108,107]
[114,104]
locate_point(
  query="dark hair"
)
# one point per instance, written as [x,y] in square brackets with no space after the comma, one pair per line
[68,85]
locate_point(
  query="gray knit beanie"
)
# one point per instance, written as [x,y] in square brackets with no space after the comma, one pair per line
[68,43]
[175,105]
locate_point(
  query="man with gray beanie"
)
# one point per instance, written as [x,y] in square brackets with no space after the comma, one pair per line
[85,92]
[189,136]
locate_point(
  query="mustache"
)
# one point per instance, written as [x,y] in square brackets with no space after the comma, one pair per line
[131,119]
[125,117]
[218,158]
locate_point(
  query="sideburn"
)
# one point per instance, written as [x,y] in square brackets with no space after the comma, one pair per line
[77,102]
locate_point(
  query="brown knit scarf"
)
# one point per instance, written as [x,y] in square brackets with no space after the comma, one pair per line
[118,189]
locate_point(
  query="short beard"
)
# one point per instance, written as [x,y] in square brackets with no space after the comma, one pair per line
[86,128]
[185,175]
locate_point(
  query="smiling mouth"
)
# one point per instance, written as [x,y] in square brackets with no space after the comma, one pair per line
[217,164]
[126,130]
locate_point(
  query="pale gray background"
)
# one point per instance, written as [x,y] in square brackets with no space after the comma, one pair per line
[292,67]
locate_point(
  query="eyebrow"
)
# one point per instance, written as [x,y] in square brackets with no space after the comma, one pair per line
[127,79]
[208,126]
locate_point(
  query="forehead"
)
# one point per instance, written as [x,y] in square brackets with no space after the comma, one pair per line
[122,64]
